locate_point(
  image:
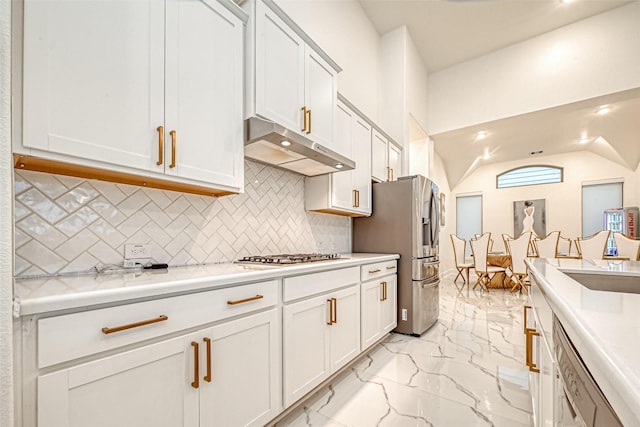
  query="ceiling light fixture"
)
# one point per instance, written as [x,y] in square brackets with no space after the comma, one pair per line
[486,156]
[285,143]
[481,135]
[603,110]
[339,166]
[583,140]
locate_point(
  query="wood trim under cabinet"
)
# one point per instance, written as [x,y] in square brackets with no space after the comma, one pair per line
[338,212]
[38,164]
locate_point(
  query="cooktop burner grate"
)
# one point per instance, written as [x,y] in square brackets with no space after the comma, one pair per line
[283,259]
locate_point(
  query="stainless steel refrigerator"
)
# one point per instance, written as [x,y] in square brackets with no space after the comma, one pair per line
[406,220]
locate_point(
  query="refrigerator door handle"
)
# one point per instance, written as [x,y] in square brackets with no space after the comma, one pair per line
[430,285]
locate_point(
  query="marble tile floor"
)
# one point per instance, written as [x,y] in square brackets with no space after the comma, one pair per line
[467,370]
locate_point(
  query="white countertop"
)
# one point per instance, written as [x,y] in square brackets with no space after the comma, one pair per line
[603,326]
[49,294]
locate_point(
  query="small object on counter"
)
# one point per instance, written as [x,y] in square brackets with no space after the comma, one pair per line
[155,266]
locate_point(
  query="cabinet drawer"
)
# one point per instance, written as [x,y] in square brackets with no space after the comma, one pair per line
[75,335]
[315,283]
[379,269]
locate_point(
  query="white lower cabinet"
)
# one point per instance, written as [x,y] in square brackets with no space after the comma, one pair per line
[321,334]
[226,375]
[142,387]
[379,309]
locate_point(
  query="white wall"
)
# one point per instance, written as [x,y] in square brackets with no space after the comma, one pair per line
[6,221]
[393,85]
[593,57]
[563,200]
[344,32]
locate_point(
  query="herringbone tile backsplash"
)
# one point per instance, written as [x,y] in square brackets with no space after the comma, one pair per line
[67,225]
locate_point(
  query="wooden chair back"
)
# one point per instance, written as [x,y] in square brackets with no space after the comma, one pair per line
[628,248]
[593,247]
[547,247]
[519,249]
[459,249]
[480,249]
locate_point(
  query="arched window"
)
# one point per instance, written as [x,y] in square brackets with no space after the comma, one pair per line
[529,175]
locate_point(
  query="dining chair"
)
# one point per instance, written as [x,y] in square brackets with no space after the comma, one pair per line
[519,250]
[484,271]
[564,246]
[476,236]
[463,265]
[592,247]
[627,248]
[505,238]
[547,247]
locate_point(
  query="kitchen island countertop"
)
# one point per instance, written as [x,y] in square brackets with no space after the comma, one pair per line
[48,294]
[603,326]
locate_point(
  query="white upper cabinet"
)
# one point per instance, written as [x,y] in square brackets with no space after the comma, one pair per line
[386,158]
[348,192]
[139,87]
[295,83]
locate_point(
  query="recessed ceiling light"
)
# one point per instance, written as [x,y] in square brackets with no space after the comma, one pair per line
[603,110]
[481,135]
[566,1]
[285,143]
[339,166]
[583,140]
[486,156]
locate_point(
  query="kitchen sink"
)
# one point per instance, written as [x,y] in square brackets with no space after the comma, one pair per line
[608,282]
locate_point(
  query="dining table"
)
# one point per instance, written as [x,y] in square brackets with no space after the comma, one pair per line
[499,259]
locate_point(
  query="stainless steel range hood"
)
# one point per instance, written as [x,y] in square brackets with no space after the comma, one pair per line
[273,144]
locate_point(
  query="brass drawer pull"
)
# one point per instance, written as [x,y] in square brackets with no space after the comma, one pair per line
[377,270]
[391,268]
[196,365]
[160,145]
[240,301]
[309,112]
[173,149]
[207,377]
[530,333]
[354,197]
[161,318]
[382,292]
[385,291]
[333,311]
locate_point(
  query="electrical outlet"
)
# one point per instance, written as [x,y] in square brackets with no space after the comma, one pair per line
[404,314]
[132,251]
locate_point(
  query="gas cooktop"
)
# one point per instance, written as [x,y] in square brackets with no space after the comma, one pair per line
[287,259]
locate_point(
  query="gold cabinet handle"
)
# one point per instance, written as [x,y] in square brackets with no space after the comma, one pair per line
[309,112]
[524,317]
[377,270]
[240,301]
[160,145]
[335,310]
[357,198]
[388,173]
[391,170]
[381,291]
[160,318]
[392,267]
[196,365]
[354,194]
[207,341]
[173,149]
[530,333]
[385,290]
[304,118]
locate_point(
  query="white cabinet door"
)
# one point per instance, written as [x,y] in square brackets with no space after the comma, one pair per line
[389,306]
[138,388]
[379,156]
[361,143]
[342,194]
[204,92]
[320,98]
[345,330]
[280,62]
[395,162]
[371,295]
[243,356]
[93,83]
[306,346]
[378,309]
